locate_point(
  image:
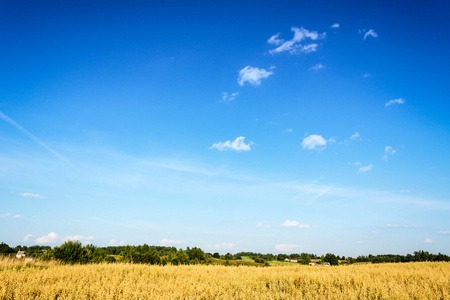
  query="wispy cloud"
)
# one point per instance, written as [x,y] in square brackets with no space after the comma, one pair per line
[366,168]
[355,136]
[263,225]
[314,141]
[388,151]
[167,242]
[369,33]
[365,75]
[115,243]
[80,238]
[225,246]
[50,238]
[229,98]
[444,232]
[30,195]
[395,101]
[23,130]
[294,223]
[252,75]
[295,45]
[428,241]
[317,67]
[237,145]
[27,237]
[335,25]
[9,215]
[397,226]
[274,40]
[287,247]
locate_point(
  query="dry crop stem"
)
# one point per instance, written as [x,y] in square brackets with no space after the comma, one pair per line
[427,280]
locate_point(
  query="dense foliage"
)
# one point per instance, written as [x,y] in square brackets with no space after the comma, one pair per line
[74,252]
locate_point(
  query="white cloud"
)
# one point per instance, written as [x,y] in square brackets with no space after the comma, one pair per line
[395,101]
[397,226]
[30,195]
[332,140]
[252,75]
[287,247]
[365,75]
[27,237]
[80,238]
[274,40]
[225,246]
[388,151]
[335,25]
[294,45]
[166,242]
[229,98]
[444,232]
[405,191]
[8,215]
[370,33]
[294,223]
[289,130]
[366,168]
[314,141]
[354,136]
[263,225]
[47,239]
[317,67]
[428,241]
[115,243]
[237,145]
[357,163]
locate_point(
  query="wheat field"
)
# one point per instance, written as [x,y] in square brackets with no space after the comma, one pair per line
[34,280]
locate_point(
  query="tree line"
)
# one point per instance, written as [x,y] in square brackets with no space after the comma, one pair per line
[74,252]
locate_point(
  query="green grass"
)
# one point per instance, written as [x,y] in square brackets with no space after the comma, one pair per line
[234,262]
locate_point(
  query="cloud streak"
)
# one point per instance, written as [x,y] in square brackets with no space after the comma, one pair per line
[38,141]
[237,145]
[294,223]
[395,101]
[295,45]
[30,195]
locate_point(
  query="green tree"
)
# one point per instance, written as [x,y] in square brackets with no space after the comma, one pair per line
[304,259]
[182,257]
[331,258]
[5,249]
[72,252]
[216,255]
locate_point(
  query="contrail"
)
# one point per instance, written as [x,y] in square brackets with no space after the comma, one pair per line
[13,123]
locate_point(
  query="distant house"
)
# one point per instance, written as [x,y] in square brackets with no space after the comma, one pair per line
[312,264]
[294,260]
[21,254]
[327,264]
[287,259]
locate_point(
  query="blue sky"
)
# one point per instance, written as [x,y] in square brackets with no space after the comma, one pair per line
[306,126]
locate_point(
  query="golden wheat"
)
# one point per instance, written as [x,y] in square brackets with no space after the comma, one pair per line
[126,281]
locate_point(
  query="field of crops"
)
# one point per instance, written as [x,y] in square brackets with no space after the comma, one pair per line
[420,280]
